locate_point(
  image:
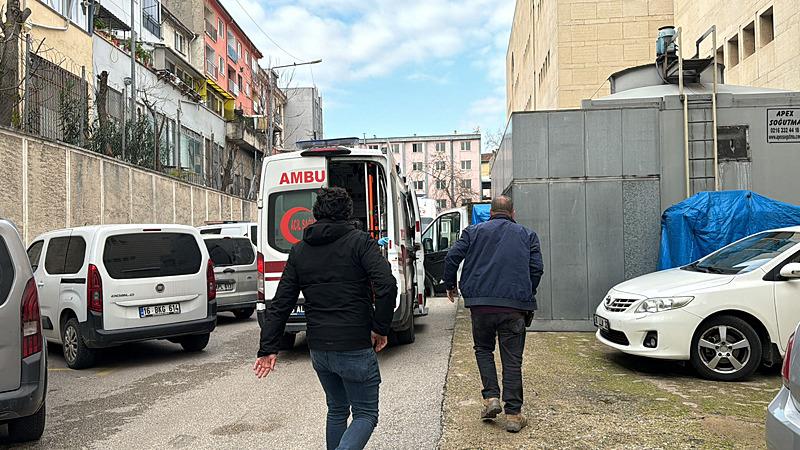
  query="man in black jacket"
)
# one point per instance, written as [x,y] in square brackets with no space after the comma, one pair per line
[349,293]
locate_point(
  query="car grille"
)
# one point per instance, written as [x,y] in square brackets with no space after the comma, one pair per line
[617,337]
[619,304]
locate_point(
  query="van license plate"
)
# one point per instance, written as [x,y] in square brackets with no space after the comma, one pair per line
[601,322]
[159,310]
[224,287]
[299,310]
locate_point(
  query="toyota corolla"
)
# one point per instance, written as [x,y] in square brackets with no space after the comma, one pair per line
[727,313]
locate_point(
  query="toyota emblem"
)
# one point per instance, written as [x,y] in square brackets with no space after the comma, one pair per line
[608,300]
[159,288]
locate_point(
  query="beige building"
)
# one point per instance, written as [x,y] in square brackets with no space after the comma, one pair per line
[757,40]
[562,51]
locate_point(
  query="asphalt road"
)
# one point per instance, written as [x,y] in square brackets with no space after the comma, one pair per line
[153,395]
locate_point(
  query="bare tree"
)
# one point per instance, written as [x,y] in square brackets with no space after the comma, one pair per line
[446,180]
[492,140]
[10,61]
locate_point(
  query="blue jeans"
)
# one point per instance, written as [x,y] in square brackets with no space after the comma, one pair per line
[351,380]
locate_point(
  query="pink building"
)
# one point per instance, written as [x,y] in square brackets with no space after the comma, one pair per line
[446,168]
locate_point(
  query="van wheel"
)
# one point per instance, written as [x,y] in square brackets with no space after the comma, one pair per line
[76,353]
[726,348]
[28,428]
[404,337]
[287,341]
[195,343]
[244,313]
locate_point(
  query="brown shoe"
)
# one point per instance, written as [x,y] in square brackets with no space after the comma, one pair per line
[515,422]
[491,408]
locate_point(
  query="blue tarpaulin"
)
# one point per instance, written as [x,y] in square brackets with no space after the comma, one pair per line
[480,213]
[709,221]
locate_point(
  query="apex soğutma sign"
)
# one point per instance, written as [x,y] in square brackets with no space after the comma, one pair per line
[783,125]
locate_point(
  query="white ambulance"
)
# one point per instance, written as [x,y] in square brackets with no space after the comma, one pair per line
[383,205]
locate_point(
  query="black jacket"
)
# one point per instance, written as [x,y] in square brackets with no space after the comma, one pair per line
[347,284]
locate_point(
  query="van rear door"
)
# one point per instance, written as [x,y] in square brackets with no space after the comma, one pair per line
[10,298]
[419,253]
[152,277]
[289,190]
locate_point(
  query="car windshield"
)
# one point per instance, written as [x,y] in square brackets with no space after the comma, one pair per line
[748,254]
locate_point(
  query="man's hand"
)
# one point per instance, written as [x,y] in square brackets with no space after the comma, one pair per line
[378,341]
[452,294]
[264,365]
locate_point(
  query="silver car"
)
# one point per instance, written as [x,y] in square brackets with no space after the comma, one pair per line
[783,414]
[23,354]
[236,271]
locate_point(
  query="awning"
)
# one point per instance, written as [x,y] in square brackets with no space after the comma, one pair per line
[220,90]
[113,22]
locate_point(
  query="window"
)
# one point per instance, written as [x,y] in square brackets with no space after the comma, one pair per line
[416,148]
[748,40]
[466,165]
[191,151]
[232,47]
[151,255]
[221,67]
[441,146]
[373,146]
[444,232]
[419,185]
[466,184]
[65,255]
[289,214]
[766,27]
[748,254]
[34,254]
[151,16]
[214,103]
[721,55]
[441,185]
[247,58]
[395,148]
[180,43]
[6,272]
[230,251]
[733,51]
[440,165]
[220,27]
[466,146]
[416,165]
[254,234]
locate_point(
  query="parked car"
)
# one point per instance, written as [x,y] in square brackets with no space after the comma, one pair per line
[23,355]
[236,272]
[232,228]
[106,285]
[783,414]
[727,313]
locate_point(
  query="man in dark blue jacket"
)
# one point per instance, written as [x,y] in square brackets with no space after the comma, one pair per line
[502,269]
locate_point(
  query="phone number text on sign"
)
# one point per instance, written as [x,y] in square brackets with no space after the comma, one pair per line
[783,125]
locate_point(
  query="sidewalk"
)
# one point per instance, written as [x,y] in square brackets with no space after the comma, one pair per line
[579,394]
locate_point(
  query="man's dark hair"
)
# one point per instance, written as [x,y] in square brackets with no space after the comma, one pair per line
[502,204]
[334,204]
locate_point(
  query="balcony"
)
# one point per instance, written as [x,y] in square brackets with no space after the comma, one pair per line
[211,69]
[232,54]
[233,88]
[211,30]
[242,133]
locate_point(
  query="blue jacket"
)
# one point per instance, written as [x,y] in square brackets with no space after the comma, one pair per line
[502,265]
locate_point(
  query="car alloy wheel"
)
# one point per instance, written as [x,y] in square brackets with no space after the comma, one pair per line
[70,344]
[724,349]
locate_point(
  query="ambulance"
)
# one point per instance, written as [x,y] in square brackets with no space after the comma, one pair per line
[383,205]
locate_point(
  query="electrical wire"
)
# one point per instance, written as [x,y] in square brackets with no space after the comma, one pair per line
[264,32]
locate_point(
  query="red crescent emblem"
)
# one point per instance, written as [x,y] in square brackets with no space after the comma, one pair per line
[285,232]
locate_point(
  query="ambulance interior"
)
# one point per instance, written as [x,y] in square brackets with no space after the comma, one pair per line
[366,184]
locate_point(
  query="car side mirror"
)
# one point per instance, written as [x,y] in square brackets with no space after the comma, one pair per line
[427,244]
[791,271]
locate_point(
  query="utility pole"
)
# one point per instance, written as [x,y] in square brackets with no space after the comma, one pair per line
[133,62]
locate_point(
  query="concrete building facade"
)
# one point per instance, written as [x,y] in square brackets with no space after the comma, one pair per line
[563,51]
[446,168]
[303,119]
[758,41]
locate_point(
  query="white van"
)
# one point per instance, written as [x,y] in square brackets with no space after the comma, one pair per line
[383,205]
[232,228]
[106,285]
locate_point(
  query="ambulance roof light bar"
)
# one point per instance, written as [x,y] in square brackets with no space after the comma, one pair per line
[350,141]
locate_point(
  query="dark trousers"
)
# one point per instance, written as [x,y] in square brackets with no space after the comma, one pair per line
[509,330]
[351,381]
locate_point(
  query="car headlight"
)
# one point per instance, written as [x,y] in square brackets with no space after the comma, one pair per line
[653,305]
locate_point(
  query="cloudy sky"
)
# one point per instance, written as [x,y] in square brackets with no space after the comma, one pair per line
[390,67]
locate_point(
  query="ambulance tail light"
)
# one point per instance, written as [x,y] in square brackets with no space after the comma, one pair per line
[260,277]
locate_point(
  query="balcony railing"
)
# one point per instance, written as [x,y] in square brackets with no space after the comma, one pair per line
[233,88]
[211,69]
[211,30]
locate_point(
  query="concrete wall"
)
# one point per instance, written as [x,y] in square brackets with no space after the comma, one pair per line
[303,116]
[48,186]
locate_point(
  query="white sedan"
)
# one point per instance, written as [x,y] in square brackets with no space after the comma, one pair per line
[727,313]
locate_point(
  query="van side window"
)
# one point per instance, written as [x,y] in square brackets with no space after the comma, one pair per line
[6,272]
[35,254]
[254,234]
[65,255]
[449,228]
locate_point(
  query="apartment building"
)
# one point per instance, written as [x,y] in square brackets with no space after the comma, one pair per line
[758,41]
[303,115]
[562,51]
[446,168]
